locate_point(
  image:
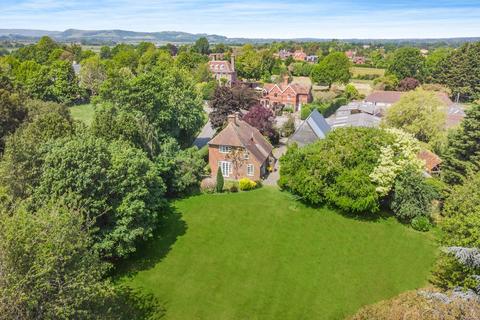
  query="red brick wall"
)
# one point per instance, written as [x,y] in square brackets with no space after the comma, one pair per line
[214,156]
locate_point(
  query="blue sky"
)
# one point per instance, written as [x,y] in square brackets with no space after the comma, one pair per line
[279,19]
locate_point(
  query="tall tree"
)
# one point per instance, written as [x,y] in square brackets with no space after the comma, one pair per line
[92,74]
[12,111]
[117,186]
[463,149]
[461,72]
[333,68]
[47,267]
[227,101]
[262,118]
[421,113]
[202,46]
[406,63]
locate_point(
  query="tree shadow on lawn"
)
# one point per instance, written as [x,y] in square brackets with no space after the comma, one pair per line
[150,253]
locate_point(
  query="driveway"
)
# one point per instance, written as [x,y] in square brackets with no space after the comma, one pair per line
[273,177]
[207,132]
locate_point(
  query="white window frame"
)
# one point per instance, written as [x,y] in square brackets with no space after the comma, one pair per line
[225,166]
[246,155]
[250,170]
[224,149]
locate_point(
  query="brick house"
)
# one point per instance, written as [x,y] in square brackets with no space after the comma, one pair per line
[224,71]
[299,55]
[240,151]
[294,95]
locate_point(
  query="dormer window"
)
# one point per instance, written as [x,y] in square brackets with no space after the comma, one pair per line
[224,149]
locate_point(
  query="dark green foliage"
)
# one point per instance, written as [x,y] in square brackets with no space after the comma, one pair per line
[54,82]
[407,62]
[181,170]
[48,270]
[421,223]
[336,170]
[460,71]
[117,185]
[201,46]
[20,167]
[333,68]
[412,196]
[460,229]
[12,111]
[164,99]
[288,128]
[463,149]
[220,181]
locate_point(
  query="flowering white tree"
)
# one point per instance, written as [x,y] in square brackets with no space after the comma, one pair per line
[394,159]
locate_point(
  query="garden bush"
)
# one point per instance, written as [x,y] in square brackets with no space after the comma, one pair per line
[421,223]
[323,172]
[246,184]
[412,196]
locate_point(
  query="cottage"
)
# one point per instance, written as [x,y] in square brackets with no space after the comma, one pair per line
[240,151]
[312,129]
[293,95]
[224,71]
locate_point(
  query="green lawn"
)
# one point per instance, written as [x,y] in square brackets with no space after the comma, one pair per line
[261,255]
[83,113]
[360,71]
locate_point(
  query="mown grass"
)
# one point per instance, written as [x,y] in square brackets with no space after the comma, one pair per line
[263,255]
[361,71]
[83,113]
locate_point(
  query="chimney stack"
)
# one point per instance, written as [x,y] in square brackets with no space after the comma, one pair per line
[232,62]
[232,118]
[285,80]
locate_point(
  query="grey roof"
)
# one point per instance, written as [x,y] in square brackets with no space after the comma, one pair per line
[365,107]
[355,120]
[313,128]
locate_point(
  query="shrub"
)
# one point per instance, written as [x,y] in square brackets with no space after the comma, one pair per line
[288,110]
[336,170]
[421,223]
[288,127]
[208,185]
[220,181]
[233,188]
[246,184]
[412,195]
[421,305]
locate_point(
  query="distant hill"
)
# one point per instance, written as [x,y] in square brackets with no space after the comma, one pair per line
[116,36]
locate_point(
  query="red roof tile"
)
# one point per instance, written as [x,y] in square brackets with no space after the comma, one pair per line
[430,158]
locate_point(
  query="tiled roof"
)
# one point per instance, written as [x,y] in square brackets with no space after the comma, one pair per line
[298,88]
[241,134]
[430,158]
[384,96]
[220,67]
[392,97]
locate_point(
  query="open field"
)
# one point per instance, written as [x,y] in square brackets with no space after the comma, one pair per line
[361,71]
[83,113]
[262,255]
